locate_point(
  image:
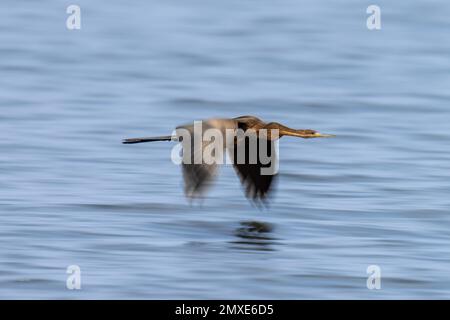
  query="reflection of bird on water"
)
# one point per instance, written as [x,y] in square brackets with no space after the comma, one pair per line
[197,176]
[254,235]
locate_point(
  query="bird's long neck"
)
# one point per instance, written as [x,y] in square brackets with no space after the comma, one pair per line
[283,130]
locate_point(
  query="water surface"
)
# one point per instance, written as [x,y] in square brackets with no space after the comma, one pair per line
[71,194]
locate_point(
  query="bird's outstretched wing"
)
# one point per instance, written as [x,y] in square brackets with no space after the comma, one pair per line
[198,177]
[197,174]
[256,184]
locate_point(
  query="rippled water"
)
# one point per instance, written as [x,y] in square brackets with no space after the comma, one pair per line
[71,194]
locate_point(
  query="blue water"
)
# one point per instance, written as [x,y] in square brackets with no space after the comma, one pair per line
[72,194]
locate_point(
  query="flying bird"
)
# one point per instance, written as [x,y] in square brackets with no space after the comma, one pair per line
[246,158]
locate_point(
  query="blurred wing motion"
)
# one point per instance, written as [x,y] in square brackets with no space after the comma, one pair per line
[257,185]
[197,175]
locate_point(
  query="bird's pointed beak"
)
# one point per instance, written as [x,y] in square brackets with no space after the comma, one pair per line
[322,135]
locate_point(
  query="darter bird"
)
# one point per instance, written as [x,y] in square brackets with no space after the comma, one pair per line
[247,160]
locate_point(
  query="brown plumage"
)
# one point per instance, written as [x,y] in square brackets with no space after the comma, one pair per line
[257,186]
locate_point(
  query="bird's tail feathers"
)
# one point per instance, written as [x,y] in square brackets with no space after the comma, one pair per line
[148,139]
